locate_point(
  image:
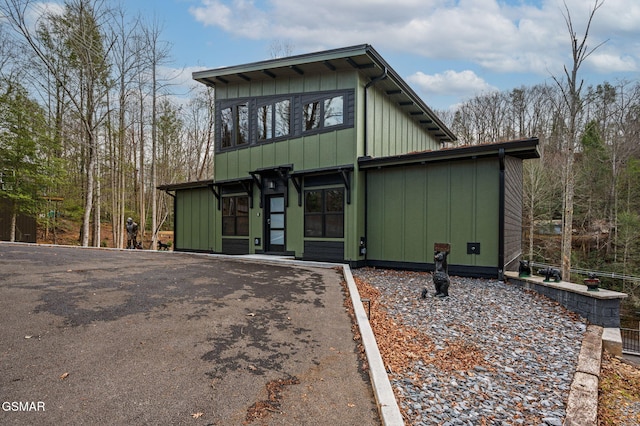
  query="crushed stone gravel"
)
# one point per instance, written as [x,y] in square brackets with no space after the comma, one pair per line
[507,355]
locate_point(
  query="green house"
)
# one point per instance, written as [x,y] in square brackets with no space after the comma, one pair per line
[331,156]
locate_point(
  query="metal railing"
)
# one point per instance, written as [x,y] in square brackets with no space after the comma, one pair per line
[630,341]
[584,272]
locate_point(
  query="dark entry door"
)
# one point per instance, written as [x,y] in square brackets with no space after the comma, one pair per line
[275,221]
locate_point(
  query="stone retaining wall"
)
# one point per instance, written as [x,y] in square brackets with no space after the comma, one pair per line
[601,307]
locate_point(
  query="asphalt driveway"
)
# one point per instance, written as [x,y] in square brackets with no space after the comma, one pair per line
[91,336]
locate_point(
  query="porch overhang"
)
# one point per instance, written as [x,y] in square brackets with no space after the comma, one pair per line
[522,148]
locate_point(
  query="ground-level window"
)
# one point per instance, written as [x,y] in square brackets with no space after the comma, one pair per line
[235,216]
[324,213]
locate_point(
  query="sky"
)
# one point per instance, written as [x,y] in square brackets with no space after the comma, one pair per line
[447,50]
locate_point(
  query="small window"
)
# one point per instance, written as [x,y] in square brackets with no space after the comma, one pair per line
[333,111]
[226,128]
[283,118]
[324,213]
[243,124]
[234,125]
[235,216]
[323,113]
[265,118]
[274,120]
[311,113]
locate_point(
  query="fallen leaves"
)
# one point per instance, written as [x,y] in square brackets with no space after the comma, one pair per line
[197,415]
[618,392]
[275,390]
[64,376]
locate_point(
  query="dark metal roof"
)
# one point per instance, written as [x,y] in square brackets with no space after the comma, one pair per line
[186,185]
[521,148]
[362,58]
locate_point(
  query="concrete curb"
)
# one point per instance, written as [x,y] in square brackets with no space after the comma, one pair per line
[582,405]
[386,400]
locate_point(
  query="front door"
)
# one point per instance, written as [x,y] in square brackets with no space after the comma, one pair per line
[275,220]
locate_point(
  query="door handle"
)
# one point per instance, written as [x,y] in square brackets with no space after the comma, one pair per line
[269,221]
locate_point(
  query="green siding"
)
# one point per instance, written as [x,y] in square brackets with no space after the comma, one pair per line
[195,219]
[310,152]
[390,130]
[285,85]
[412,208]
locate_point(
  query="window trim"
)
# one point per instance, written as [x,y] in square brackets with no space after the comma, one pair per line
[235,215]
[324,214]
[296,125]
[272,102]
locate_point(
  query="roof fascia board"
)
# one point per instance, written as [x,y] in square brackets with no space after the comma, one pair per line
[286,62]
[524,148]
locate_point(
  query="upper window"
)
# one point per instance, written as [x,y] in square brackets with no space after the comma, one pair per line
[323,113]
[235,216]
[247,121]
[274,120]
[234,125]
[324,213]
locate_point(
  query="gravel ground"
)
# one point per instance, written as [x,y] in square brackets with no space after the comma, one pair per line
[509,355]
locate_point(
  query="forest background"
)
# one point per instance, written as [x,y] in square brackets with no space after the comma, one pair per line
[85,117]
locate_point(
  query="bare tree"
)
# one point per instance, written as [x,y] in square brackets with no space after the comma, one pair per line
[571,88]
[157,53]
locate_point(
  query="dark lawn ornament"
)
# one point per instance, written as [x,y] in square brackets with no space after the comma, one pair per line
[549,273]
[162,246]
[592,282]
[440,276]
[132,234]
[524,270]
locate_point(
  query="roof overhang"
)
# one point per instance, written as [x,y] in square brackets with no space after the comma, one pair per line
[186,185]
[521,148]
[362,58]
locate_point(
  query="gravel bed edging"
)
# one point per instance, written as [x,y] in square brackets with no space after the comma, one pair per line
[385,398]
[582,405]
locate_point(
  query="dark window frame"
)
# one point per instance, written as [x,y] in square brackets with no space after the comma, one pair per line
[324,214]
[227,112]
[273,120]
[235,218]
[320,114]
[235,125]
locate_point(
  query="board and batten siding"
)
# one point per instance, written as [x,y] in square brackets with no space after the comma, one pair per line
[195,218]
[391,131]
[288,85]
[411,208]
[512,213]
[305,153]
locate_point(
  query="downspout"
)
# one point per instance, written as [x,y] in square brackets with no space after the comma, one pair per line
[175,214]
[366,153]
[501,205]
[374,81]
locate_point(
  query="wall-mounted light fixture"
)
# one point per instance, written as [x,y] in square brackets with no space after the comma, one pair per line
[272,184]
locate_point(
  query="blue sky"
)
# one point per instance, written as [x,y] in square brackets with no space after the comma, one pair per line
[447,50]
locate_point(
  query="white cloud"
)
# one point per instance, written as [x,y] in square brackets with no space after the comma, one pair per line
[501,36]
[604,62]
[463,84]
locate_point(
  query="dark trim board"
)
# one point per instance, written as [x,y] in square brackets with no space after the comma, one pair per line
[235,246]
[326,251]
[454,270]
[184,250]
